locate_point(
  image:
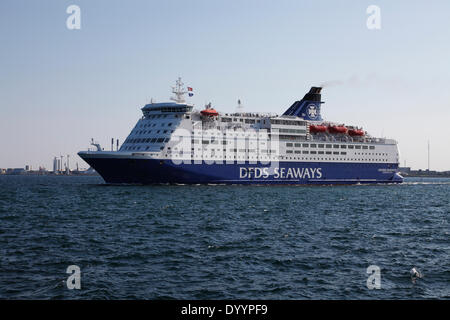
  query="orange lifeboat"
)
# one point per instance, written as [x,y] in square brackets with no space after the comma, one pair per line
[337,129]
[317,128]
[356,132]
[209,112]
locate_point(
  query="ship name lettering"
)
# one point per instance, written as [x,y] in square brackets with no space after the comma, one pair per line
[280,173]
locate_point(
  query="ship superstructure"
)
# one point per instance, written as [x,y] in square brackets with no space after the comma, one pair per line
[173,143]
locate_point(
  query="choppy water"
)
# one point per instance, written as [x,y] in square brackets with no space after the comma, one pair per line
[222,242]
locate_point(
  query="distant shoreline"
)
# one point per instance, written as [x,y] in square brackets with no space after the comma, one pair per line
[407,172]
[49,174]
[413,175]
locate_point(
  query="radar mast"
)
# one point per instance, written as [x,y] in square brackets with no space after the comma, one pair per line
[179,91]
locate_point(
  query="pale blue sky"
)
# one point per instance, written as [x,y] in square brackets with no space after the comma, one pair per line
[60,87]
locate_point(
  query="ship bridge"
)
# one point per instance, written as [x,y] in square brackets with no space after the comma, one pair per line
[167,107]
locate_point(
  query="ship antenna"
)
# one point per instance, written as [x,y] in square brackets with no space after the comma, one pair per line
[178,91]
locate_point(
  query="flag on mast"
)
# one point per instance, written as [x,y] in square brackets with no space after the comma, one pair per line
[190,91]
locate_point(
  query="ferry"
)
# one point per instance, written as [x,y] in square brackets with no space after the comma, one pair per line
[172,143]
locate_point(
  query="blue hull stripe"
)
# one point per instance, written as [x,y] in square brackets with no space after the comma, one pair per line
[148,171]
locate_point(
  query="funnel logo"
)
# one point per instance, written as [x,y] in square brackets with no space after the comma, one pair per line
[312,111]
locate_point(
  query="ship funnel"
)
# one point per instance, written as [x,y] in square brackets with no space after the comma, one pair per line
[309,107]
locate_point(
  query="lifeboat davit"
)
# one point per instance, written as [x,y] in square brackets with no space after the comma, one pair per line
[337,129]
[356,132]
[317,128]
[209,112]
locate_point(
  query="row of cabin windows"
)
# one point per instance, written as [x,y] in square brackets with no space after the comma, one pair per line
[197,141]
[335,152]
[291,131]
[262,135]
[148,140]
[150,131]
[148,125]
[315,152]
[138,148]
[212,155]
[157,116]
[246,134]
[288,122]
[334,159]
[224,119]
[273,121]
[250,121]
[233,150]
[273,151]
[328,146]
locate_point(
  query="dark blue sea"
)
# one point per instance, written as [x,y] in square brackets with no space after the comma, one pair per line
[222,242]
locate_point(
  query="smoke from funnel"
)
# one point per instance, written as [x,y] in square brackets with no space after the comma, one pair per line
[353,80]
[332,83]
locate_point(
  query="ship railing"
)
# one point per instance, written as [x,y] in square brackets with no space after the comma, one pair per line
[348,139]
[252,114]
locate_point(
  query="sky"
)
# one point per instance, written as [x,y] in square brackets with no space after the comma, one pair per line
[59,87]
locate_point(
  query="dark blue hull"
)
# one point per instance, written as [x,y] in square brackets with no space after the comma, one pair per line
[151,171]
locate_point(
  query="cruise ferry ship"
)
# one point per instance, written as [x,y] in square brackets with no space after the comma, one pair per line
[174,143]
